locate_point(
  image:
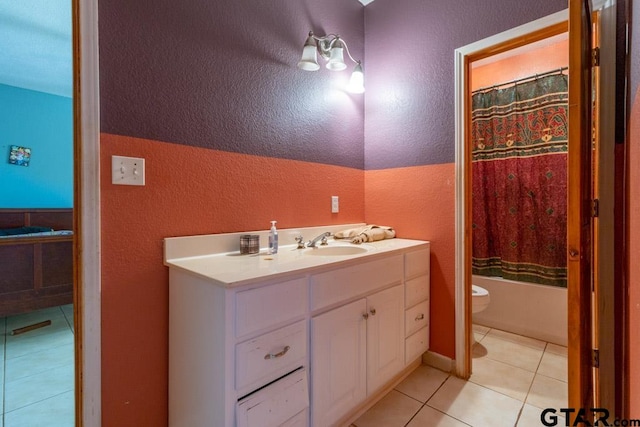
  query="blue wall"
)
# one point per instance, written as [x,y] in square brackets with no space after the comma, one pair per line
[44,123]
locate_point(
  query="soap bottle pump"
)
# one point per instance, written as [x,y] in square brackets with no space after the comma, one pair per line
[273,239]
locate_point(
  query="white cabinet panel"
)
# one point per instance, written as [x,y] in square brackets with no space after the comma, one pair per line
[338,362]
[416,318]
[276,404]
[417,290]
[416,263]
[417,344]
[385,336]
[263,307]
[299,420]
[269,356]
[346,283]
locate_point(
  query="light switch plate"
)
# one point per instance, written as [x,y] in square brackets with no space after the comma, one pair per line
[335,207]
[127,170]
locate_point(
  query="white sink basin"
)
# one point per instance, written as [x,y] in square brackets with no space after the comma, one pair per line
[336,250]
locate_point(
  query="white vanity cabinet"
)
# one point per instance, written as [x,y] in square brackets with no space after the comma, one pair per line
[225,344]
[339,354]
[417,296]
[356,348]
[291,339]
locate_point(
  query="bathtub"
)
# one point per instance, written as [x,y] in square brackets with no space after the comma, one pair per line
[527,309]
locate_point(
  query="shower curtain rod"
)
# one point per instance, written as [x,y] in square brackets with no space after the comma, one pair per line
[535,76]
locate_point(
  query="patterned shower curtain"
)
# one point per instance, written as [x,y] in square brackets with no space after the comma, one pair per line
[519,169]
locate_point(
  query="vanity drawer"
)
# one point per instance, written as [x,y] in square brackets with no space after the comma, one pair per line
[416,318]
[346,283]
[416,344]
[416,263]
[263,307]
[284,403]
[267,357]
[416,290]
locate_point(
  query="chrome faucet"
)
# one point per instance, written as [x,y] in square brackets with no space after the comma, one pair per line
[300,241]
[322,238]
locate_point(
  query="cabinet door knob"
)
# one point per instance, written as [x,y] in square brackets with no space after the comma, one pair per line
[372,311]
[277,355]
[365,316]
[419,317]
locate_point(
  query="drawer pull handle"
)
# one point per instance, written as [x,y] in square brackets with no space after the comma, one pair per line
[419,317]
[372,311]
[277,355]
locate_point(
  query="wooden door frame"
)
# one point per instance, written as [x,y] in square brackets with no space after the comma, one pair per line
[86,130]
[501,42]
[463,57]
[580,222]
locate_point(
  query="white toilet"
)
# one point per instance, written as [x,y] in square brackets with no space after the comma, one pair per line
[479,301]
[479,298]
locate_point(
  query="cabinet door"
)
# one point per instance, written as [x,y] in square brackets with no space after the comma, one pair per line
[385,336]
[338,362]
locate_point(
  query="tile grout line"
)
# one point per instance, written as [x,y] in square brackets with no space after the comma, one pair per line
[426,403]
[4,380]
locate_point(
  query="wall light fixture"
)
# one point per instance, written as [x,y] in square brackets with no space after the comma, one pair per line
[331,47]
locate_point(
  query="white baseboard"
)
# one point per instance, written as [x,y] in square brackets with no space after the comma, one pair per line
[438,361]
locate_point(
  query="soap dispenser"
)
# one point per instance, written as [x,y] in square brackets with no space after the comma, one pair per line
[273,239]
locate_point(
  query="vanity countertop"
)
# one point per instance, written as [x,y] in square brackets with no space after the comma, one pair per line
[230,269]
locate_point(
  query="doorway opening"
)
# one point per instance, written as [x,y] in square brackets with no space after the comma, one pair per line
[537,30]
[518,143]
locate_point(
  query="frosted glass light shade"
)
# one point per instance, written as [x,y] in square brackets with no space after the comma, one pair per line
[309,60]
[336,58]
[356,82]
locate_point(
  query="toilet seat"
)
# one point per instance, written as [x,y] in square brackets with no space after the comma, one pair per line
[479,298]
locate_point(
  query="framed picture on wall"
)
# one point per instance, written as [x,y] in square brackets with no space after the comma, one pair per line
[20,156]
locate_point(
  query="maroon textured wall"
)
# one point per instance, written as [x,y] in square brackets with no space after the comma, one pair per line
[410,71]
[222,74]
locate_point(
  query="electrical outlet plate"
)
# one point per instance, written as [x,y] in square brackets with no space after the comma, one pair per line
[335,207]
[127,170]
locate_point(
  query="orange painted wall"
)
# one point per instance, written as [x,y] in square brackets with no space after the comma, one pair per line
[634,256]
[188,191]
[539,60]
[419,203]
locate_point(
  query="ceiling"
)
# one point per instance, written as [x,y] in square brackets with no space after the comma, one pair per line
[35,45]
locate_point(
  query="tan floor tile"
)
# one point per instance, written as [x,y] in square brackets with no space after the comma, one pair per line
[556,349]
[530,417]
[502,377]
[395,409]
[548,393]
[432,418]
[480,331]
[475,405]
[422,383]
[518,339]
[512,352]
[554,366]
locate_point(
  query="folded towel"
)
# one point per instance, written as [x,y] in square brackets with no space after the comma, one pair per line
[367,233]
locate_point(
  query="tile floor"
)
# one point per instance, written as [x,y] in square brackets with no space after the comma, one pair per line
[37,374]
[514,378]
